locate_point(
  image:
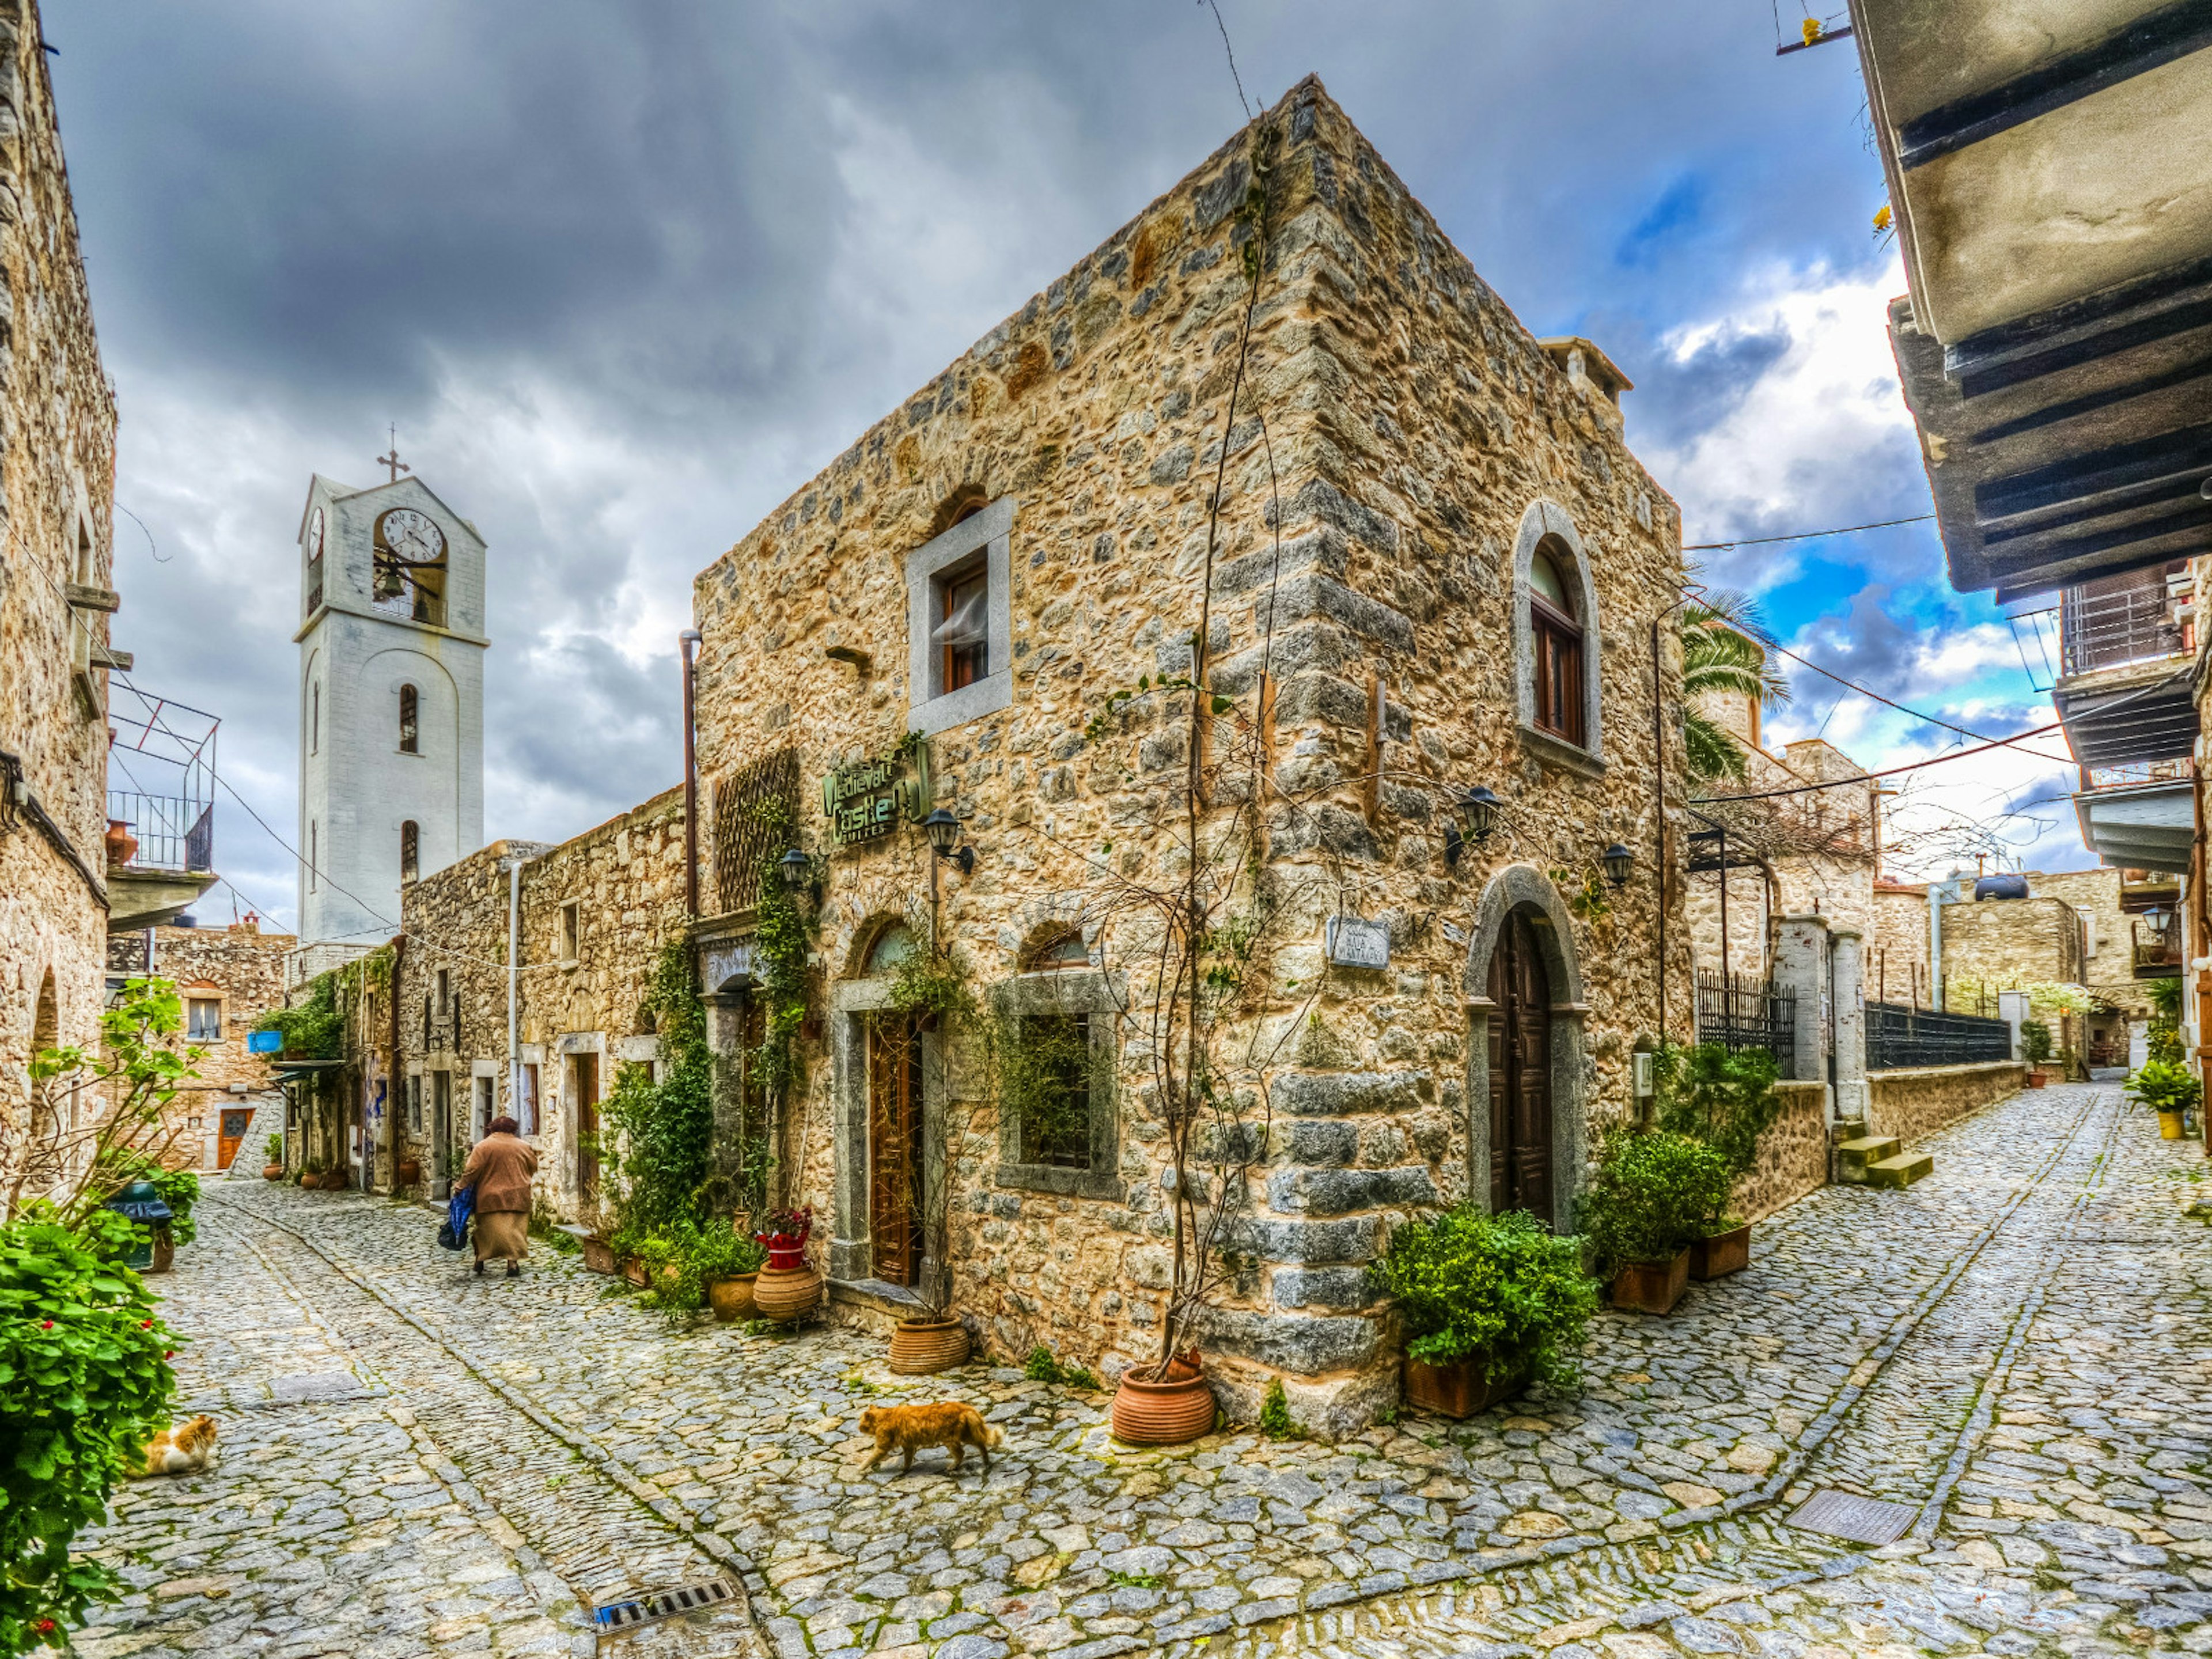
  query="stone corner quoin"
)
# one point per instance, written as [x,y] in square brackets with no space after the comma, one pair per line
[1394,427]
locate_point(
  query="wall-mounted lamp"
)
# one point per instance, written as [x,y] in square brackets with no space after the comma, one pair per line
[1618,861]
[801,874]
[1477,814]
[944,830]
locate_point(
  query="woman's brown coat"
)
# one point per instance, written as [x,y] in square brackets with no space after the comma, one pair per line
[499,1168]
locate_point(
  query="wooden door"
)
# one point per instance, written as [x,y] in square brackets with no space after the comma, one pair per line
[894,1148]
[229,1133]
[1520,1073]
[587,1129]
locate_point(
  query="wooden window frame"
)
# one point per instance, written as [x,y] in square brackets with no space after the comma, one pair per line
[1555,642]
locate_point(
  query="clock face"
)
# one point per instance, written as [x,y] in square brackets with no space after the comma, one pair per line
[411,536]
[315,535]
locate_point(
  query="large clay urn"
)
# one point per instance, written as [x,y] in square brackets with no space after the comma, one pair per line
[272,1172]
[920,1346]
[787,1295]
[122,845]
[1162,1413]
[732,1298]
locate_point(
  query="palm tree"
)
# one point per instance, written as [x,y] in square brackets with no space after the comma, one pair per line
[1727,650]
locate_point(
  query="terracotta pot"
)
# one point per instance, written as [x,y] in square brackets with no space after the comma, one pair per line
[1652,1287]
[599,1256]
[1460,1389]
[732,1300]
[632,1269]
[272,1172]
[2169,1126]
[410,1171]
[920,1346]
[2036,1079]
[122,845]
[1720,1254]
[1162,1413]
[165,1253]
[786,1294]
[309,1182]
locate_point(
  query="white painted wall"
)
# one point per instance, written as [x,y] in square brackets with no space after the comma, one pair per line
[356,787]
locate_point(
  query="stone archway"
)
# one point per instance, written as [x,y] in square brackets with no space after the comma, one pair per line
[1521,900]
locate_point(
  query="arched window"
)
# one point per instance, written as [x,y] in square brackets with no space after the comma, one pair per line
[890,948]
[315,721]
[1555,640]
[312,856]
[408,726]
[1556,636]
[410,850]
[1057,951]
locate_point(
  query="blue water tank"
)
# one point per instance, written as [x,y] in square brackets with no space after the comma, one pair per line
[2001,887]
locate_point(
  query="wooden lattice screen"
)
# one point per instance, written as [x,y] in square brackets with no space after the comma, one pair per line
[743,835]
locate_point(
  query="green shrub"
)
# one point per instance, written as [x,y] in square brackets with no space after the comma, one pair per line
[1275,1420]
[179,1190]
[2165,1087]
[84,1383]
[1650,1196]
[2035,1040]
[1079,1376]
[273,1153]
[1041,1367]
[700,1254]
[1724,1098]
[1466,1281]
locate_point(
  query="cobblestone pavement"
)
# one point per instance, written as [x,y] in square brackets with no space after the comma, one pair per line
[2019,1347]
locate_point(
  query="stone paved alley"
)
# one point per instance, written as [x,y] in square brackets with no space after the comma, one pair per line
[2021,1348]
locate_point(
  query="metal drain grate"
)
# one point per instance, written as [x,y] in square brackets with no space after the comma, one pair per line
[661,1604]
[1861,1520]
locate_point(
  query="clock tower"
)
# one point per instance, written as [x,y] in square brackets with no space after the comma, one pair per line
[392,646]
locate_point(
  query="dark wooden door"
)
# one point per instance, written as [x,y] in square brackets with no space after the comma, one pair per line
[231,1131]
[587,1129]
[1520,1073]
[894,1148]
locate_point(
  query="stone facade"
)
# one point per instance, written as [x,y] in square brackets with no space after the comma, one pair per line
[595,914]
[1897,956]
[1793,1153]
[1418,447]
[2003,944]
[57,488]
[1915,1103]
[227,979]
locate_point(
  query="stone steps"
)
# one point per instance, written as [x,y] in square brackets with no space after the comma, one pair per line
[1865,1160]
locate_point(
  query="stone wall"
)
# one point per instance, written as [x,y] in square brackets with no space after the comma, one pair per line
[1417,443]
[241,969]
[1897,949]
[1915,1103]
[2003,944]
[626,879]
[2108,969]
[1793,1153]
[57,486]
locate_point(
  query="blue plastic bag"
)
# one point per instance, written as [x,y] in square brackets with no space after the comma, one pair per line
[454,1233]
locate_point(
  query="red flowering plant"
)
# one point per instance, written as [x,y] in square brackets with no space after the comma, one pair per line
[783,1232]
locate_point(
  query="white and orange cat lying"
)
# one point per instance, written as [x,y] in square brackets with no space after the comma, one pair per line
[185,1449]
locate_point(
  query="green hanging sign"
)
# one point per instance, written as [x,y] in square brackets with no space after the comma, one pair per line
[866,802]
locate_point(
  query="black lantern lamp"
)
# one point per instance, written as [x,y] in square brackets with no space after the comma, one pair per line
[141,1201]
[1477,813]
[944,832]
[796,869]
[1618,861]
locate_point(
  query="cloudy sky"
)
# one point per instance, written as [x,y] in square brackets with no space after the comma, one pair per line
[624,275]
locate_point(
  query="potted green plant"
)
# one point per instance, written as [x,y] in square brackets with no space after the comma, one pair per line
[1726,1099]
[2168,1089]
[787,1289]
[2035,1048]
[1490,1303]
[1651,1196]
[273,1152]
[723,1264]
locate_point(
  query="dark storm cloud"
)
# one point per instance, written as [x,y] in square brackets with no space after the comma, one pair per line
[624,276]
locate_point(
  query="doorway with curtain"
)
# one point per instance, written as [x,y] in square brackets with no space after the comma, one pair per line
[1521,1119]
[895,1147]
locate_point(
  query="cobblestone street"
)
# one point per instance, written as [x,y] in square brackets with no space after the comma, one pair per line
[2018,1349]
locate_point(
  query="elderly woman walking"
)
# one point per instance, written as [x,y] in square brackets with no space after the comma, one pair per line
[499,1168]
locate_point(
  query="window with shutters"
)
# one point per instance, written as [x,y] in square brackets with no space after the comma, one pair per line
[959,616]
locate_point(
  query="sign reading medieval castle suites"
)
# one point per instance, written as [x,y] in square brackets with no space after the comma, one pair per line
[865,802]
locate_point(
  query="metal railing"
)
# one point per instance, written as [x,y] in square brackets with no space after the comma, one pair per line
[2137,775]
[2154,952]
[1899,1036]
[2102,630]
[171,834]
[1739,1012]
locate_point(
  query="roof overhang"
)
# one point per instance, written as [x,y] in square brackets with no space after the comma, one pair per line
[151,898]
[2045,162]
[2144,826]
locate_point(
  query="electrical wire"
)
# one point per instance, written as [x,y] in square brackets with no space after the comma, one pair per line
[1948,725]
[1804,536]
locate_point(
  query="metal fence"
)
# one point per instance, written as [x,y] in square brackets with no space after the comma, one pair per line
[171,834]
[2121,625]
[1739,1011]
[1898,1036]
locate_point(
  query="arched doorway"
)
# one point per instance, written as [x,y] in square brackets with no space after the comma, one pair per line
[1521,1129]
[895,1166]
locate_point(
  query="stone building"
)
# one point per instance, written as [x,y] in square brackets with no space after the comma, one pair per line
[57,594]
[590,919]
[1435,569]
[226,978]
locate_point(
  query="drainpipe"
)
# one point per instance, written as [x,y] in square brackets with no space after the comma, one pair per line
[514,982]
[686,641]
[395,1085]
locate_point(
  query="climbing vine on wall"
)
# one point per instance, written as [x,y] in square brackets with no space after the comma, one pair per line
[665,1126]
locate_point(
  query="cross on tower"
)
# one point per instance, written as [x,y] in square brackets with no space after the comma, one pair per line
[392,460]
